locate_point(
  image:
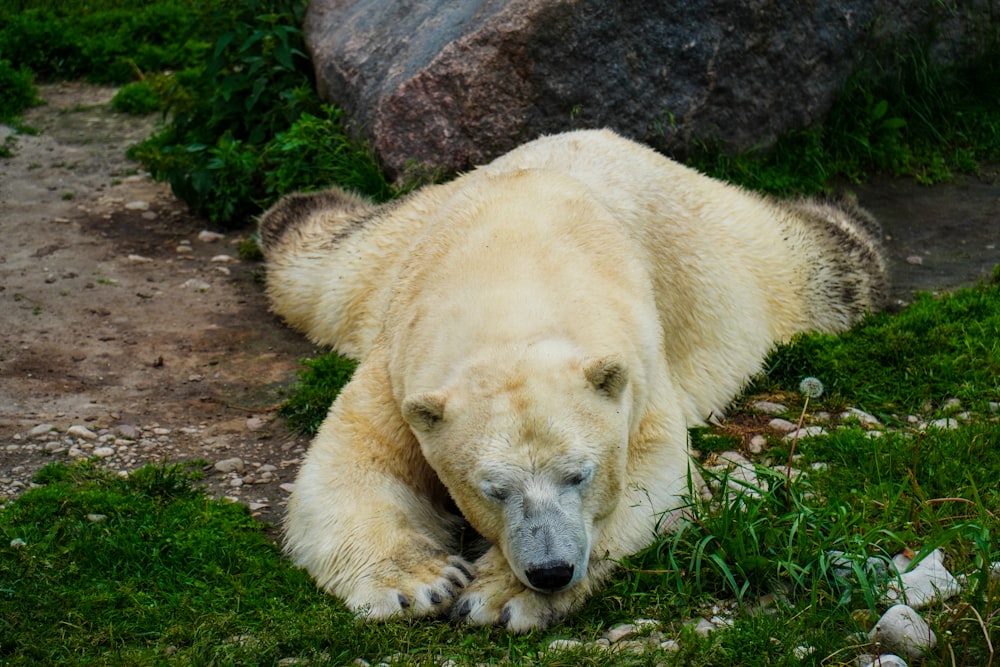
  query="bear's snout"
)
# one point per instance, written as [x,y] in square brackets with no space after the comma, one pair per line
[550,577]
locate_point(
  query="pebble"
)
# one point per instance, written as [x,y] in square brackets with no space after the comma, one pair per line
[757,444]
[41,429]
[805,432]
[139,259]
[196,284]
[234,464]
[861,416]
[104,452]
[951,404]
[782,425]
[206,236]
[255,424]
[564,644]
[945,424]
[769,407]
[902,629]
[885,660]
[223,259]
[137,205]
[78,431]
[929,582]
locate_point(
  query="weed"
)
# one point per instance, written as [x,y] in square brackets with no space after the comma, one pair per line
[318,385]
[139,98]
[19,90]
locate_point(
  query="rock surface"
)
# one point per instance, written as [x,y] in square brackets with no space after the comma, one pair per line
[440,84]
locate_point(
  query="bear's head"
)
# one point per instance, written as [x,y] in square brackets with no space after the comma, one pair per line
[532,444]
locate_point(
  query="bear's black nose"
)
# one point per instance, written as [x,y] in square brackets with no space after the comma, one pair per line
[550,576]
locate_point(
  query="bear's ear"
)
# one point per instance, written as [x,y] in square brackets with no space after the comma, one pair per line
[609,375]
[424,411]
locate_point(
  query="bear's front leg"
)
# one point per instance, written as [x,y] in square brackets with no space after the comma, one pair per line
[497,596]
[367,517]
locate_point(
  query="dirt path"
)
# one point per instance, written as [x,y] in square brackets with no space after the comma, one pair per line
[117,319]
[115,316]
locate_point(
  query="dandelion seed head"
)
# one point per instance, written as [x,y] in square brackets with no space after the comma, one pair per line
[811,387]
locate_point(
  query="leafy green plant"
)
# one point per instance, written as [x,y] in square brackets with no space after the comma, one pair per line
[139,98]
[103,42]
[241,133]
[18,91]
[316,150]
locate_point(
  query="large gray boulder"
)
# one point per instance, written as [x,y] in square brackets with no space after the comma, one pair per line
[448,84]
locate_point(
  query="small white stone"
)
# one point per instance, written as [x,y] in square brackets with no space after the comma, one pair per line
[903,630]
[861,416]
[195,284]
[951,404]
[782,425]
[916,260]
[41,429]
[184,250]
[104,452]
[287,487]
[97,518]
[770,407]
[704,626]
[78,431]
[234,464]
[138,259]
[206,236]
[255,424]
[670,645]
[735,458]
[885,660]
[564,644]
[620,632]
[803,652]
[224,259]
[137,205]
[757,444]
[236,482]
[944,424]
[927,583]
[18,543]
[805,432]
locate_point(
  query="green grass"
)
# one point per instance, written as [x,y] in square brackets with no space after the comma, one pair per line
[172,577]
[937,348]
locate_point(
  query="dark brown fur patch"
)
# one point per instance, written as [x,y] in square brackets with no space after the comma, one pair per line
[296,207]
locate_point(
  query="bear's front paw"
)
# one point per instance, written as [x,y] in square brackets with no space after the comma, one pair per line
[497,597]
[412,588]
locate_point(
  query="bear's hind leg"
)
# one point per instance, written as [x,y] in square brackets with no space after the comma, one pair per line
[367,518]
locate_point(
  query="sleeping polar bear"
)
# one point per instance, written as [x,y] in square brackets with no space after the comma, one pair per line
[535,339]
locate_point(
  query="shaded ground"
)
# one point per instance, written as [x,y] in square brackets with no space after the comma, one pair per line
[114,315]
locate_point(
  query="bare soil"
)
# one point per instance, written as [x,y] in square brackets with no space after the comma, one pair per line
[112,315]
[117,315]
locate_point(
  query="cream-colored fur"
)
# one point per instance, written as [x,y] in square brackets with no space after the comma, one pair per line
[535,338]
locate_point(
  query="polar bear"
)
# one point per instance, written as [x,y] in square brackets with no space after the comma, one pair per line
[535,338]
